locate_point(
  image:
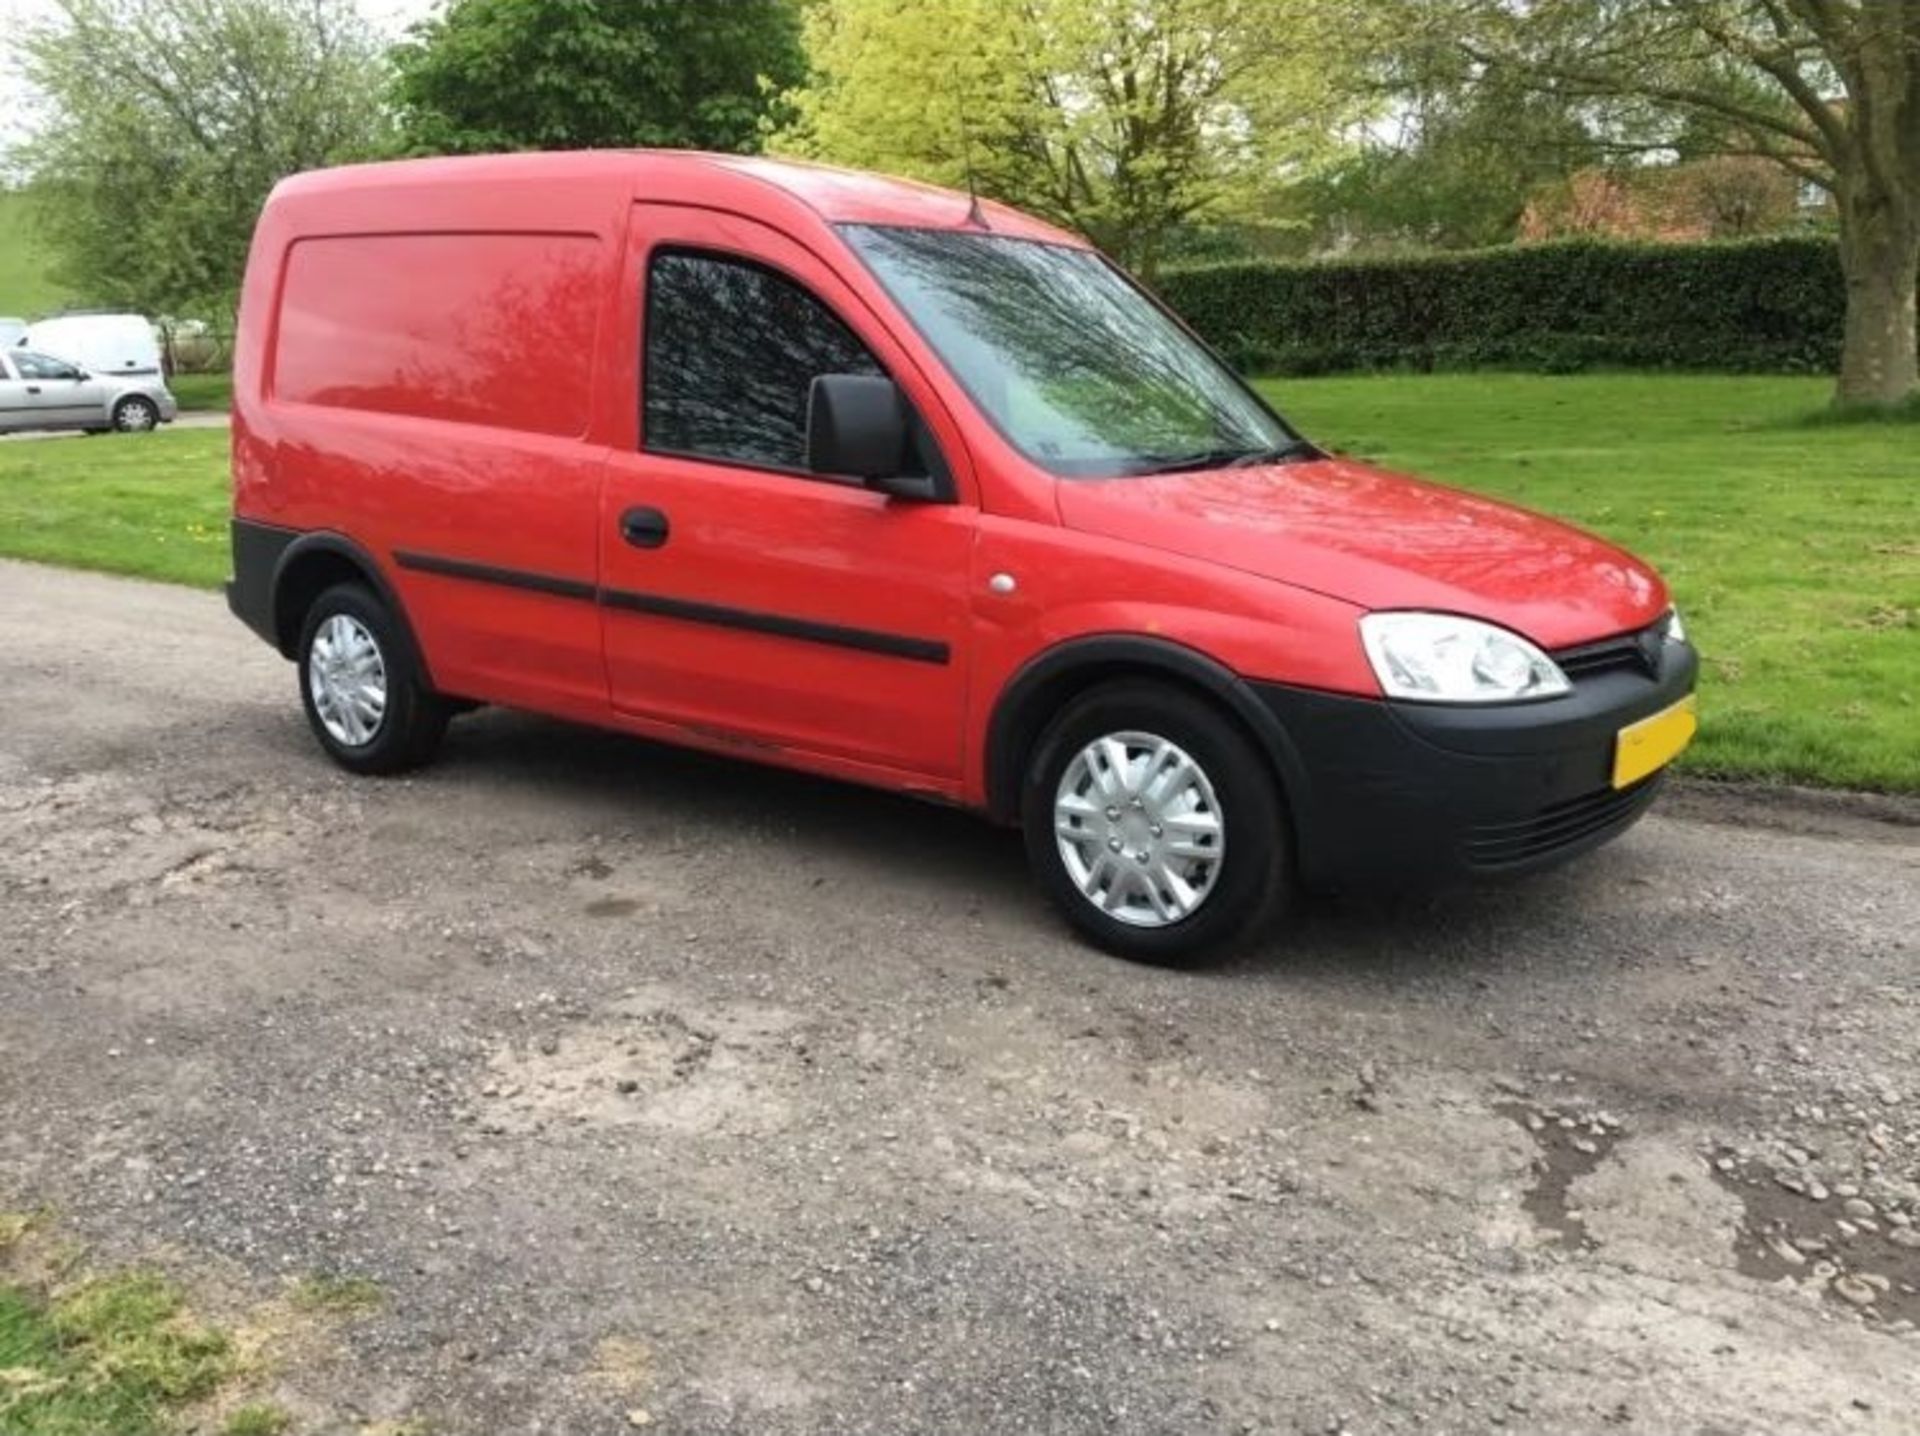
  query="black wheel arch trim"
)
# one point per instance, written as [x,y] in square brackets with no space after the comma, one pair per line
[317,541]
[1020,713]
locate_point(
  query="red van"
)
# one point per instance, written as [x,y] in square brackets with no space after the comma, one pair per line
[858,476]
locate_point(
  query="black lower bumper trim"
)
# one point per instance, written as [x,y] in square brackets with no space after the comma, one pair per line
[1492,847]
[1407,795]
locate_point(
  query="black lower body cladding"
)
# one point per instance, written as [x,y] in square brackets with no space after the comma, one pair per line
[1416,795]
[257,550]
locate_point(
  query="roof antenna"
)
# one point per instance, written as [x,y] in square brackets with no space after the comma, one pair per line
[976,216]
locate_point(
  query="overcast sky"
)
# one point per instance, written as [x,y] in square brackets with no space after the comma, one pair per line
[389,16]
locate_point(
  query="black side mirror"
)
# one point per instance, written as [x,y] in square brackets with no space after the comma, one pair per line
[860,427]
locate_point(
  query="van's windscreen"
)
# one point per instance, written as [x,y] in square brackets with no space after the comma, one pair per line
[1084,374]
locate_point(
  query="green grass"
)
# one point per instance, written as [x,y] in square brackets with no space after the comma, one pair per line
[256,1419]
[119,1352]
[336,1295]
[202,391]
[154,505]
[1907,411]
[116,1354]
[1793,547]
[26,288]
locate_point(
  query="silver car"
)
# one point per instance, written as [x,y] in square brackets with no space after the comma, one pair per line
[38,391]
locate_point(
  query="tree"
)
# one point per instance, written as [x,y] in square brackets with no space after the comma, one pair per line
[493,75]
[1827,89]
[1124,119]
[167,123]
[1455,171]
[1735,196]
[1718,197]
[1453,157]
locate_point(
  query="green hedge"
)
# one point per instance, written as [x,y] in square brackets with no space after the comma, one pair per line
[1769,305]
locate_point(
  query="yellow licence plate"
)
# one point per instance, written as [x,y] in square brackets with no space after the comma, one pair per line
[1652,743]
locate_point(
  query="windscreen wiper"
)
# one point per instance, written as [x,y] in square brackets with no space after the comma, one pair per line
[1287,453]
[1232,458]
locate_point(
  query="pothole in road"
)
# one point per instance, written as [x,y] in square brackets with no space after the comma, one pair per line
[1572,1145]
[94,836]
[612,907]
[650,1061]
[1853,1252]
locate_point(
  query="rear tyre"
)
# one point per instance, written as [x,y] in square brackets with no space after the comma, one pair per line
[134,415]
[1155,825]
[363,692]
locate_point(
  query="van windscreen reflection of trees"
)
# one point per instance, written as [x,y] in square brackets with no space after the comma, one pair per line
[1079,369]
[732,351]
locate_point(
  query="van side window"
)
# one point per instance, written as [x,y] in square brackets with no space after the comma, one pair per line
[731,353]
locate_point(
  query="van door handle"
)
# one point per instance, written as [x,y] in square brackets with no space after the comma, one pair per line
[33,388]
[644,528]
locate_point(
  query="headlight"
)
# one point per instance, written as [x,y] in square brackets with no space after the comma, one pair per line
[1676,630]
[1440,658]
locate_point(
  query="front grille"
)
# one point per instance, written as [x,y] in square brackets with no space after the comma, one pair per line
[1559,825]
[1629,653]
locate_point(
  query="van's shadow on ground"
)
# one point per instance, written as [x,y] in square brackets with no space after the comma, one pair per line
[1377,935]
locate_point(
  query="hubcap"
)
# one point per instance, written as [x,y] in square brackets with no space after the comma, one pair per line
[1139,829]
[347,678]
[136,417]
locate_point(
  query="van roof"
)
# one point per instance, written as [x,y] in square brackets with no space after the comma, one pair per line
[838,196]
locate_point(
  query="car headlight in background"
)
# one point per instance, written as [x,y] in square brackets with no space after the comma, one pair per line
[1442,658]
[1676,630]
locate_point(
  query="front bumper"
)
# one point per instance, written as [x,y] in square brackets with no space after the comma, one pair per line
[1409,794]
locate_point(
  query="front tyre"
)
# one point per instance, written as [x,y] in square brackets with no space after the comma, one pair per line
[363,693]
[1154,824]
[135,415]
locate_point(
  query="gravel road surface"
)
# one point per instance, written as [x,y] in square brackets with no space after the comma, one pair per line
[659,1091]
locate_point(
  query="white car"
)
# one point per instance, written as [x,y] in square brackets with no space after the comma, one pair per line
[38,391]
